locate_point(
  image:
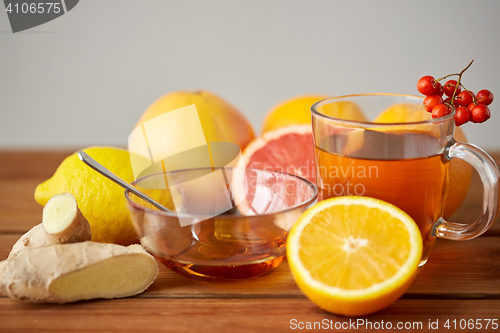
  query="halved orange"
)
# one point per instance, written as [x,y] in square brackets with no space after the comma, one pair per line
[354,255]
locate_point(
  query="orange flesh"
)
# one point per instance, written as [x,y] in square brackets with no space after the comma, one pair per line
[375,244]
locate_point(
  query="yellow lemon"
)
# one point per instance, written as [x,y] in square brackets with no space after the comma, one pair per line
[220,121]
[101,201]
[354,255]
[460,172]
[297,110]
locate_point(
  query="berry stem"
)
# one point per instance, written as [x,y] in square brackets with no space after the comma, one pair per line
[444,77]
[458,81]
[459,74]
[456,88]
[466,68]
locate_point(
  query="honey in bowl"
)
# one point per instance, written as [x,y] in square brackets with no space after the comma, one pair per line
[243,242]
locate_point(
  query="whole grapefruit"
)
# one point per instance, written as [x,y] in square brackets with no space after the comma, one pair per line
[220,121]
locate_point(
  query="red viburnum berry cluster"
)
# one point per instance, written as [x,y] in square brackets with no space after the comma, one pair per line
[467,106]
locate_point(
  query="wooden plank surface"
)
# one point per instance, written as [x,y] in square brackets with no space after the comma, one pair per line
[222,315]
[460,281]
[21,172]
[30,164]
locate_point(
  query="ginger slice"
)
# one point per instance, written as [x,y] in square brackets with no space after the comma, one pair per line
[62,222]
[79,271]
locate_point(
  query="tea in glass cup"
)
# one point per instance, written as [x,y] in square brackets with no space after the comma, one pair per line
[405,164]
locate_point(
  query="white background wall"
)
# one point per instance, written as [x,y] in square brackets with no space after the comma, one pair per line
[86,77]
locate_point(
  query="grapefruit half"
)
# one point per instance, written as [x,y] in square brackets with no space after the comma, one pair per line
[287,149]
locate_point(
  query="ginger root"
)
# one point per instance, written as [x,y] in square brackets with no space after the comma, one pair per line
[62,222]
[79,271]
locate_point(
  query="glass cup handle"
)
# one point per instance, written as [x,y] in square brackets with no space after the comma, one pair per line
[488,171]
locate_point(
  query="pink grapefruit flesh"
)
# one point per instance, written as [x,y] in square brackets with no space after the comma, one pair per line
[287,149]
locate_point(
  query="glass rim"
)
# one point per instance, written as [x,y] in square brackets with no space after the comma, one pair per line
[310,184]
[357,123]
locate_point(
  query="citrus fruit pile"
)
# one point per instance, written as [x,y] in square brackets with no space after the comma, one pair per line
[350,255]
[354,255]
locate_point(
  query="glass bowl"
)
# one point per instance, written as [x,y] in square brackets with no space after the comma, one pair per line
[205,239]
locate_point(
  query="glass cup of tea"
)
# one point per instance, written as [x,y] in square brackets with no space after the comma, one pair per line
[401,155]
[229,223]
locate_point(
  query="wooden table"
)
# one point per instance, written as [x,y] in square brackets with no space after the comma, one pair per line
[460,281]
